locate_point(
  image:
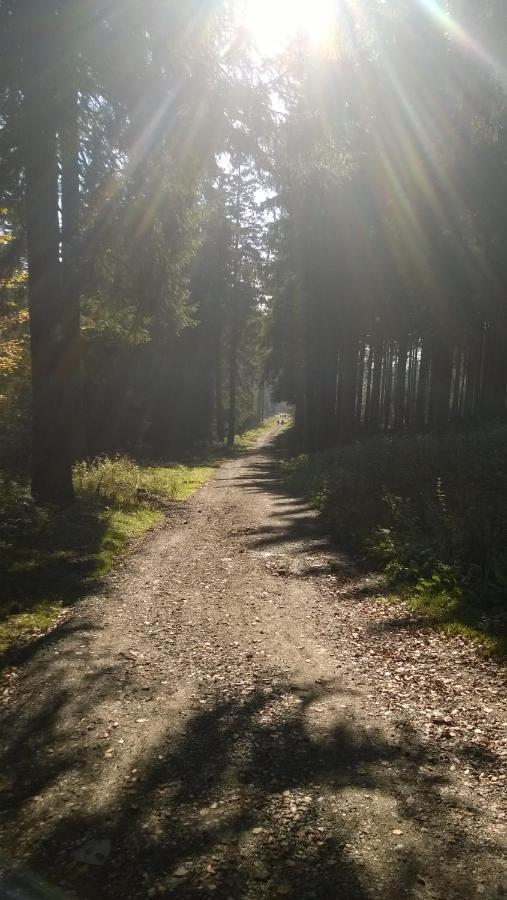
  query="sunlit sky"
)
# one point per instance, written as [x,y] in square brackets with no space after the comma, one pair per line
[273,23]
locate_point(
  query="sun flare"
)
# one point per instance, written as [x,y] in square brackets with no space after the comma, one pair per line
[274,23]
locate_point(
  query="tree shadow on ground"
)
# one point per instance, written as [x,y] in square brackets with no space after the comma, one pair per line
[298,530]
[302,530]
[246,797]
[242,799]
[47,553]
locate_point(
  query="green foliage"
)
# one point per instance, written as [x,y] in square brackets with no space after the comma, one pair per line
[14,387]
[431,511]
[114,482]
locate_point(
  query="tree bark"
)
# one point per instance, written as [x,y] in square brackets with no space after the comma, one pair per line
[374,414]
[233,383]
[368,388]
[70,192]
[388,386]
[422,386]
[400,385]
[494,376]
[51,461]
[348,384]
[440,384]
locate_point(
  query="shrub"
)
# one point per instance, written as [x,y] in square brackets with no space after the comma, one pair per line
[423,506]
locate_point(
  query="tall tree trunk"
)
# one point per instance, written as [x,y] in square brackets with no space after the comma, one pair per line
[219,402]
[422,385]
[456,382]
[361,364]
[400,385]
[70,192]
[494,375]
[388,386]
[348,384]
[440,383]
[368,388]
[320,372]
[374,414]
[233,384]
[473,373]
[51,460]
[411,385]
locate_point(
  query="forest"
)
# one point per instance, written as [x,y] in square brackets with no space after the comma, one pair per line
[191,226]
[253,449]
[194,224]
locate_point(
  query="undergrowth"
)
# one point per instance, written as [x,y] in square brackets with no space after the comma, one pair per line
[431,512]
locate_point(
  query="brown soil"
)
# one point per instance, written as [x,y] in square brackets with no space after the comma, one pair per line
[238,715]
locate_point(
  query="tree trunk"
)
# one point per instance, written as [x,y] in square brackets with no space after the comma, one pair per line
[51,461]
[233,387]
[494,376]
[361,363]
[422,386]
[388,386]
[473,374]
[69,144]
[456,383]
[374,414]
[368,388]
[348,384]
[400,385]
[440,384]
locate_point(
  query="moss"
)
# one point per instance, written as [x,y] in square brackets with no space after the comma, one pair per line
[16,629]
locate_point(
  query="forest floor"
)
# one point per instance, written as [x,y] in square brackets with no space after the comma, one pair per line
[239,713]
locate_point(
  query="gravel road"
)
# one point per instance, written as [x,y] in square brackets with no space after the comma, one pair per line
[231,716]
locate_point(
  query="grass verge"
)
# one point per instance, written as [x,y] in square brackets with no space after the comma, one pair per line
[248,439]
[50,557]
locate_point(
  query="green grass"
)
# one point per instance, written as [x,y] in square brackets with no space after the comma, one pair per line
[16,628]
[248,439]
[50,557]
[175,482]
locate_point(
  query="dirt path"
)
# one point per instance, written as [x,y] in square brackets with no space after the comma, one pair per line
[236,717]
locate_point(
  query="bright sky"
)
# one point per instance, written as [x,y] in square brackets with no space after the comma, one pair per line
[273,23]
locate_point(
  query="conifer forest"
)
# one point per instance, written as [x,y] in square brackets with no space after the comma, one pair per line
[253,449]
